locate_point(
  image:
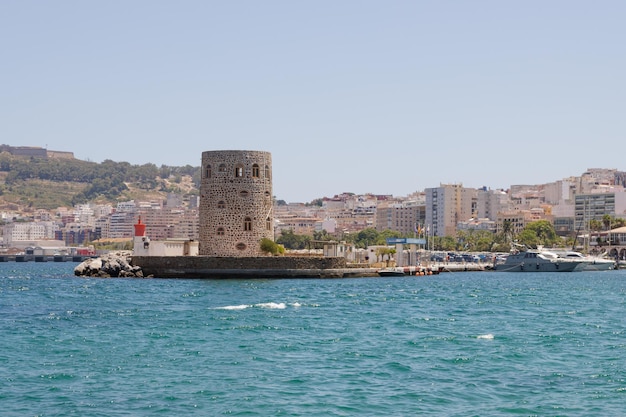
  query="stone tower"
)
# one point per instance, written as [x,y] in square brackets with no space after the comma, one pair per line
[235,202]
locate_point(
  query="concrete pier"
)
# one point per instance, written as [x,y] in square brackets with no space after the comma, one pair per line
[43,258]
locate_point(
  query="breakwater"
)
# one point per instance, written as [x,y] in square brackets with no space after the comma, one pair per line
[43,258]
[248,267]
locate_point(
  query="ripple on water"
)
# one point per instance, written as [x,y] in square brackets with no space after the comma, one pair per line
[454,345]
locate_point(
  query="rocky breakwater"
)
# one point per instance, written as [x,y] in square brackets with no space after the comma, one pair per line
[112,265]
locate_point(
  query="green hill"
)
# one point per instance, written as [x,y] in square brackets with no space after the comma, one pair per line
[48,183]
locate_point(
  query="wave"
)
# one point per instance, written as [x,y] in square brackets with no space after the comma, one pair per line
[238,307]
[277,306]
[488,336]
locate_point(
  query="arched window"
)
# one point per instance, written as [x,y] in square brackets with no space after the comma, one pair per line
[256,171]
[244,193]
[268,223]
[240,246]
[247,224]
[239,171]
[267,172]
[222,168]
[221,204]
[220,231]
[207,172]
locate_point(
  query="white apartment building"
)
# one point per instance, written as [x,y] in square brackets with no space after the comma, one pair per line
[31,231]
[446,206]
[122,220]
[595,205]
[84,214]
[102,210]
[489,203]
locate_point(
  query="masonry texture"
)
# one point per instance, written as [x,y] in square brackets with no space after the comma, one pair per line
[235,203]
[247,267]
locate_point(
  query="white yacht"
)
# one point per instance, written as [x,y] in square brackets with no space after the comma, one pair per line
[593,263]
[539,261]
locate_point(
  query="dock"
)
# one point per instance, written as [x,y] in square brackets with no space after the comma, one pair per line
[43,258]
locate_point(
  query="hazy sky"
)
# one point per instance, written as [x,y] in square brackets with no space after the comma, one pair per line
[387,97]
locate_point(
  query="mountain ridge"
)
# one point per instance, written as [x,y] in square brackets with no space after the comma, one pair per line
[37,182]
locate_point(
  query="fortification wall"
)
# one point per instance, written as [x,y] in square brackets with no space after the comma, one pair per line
[226,267]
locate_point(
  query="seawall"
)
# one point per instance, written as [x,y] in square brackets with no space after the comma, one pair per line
[210,267]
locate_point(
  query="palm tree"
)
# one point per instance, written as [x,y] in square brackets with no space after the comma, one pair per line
[507,230]
[606,221]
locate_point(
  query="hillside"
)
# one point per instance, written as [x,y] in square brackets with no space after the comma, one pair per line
[29,183]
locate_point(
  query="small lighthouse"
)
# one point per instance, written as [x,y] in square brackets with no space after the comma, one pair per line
[141,242]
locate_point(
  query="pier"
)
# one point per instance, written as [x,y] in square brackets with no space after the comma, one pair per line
[44,258]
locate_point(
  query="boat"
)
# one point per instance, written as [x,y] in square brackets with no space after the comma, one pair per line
[391,272]
[592,263]
[407,270]
[538,261]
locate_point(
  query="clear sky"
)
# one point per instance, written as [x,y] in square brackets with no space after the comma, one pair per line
[387,97]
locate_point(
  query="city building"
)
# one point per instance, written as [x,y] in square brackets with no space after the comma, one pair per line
[596,205]
[447,205]
[404,217]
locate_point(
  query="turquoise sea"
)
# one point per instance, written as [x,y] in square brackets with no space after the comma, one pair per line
[455,344]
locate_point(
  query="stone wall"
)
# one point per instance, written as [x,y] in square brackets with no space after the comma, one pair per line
[235,203]
[216,267]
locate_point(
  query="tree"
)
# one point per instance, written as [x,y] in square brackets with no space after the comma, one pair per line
[606,221]
[474,240]
[507,231]
[595,225]
[537,233]
[387,234]
[366,237]
[271,247]
[290,240]
[618,222]
[385,250]
[322,235]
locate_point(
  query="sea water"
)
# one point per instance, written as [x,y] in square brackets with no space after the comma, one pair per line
[454,344]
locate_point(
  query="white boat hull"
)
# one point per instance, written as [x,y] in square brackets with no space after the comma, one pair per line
[533,261]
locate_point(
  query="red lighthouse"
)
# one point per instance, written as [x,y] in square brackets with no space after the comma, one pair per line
[140,228]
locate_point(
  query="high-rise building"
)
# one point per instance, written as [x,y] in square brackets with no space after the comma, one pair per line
[447,205]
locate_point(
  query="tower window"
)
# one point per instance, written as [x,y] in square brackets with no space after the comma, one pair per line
[256,172]
[221,204]
[207,173]
[267,172]
[220,231]
[239,171]
[247,224]
[268,223]
[222,168]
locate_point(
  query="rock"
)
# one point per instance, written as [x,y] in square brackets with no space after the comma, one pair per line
[111,265]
